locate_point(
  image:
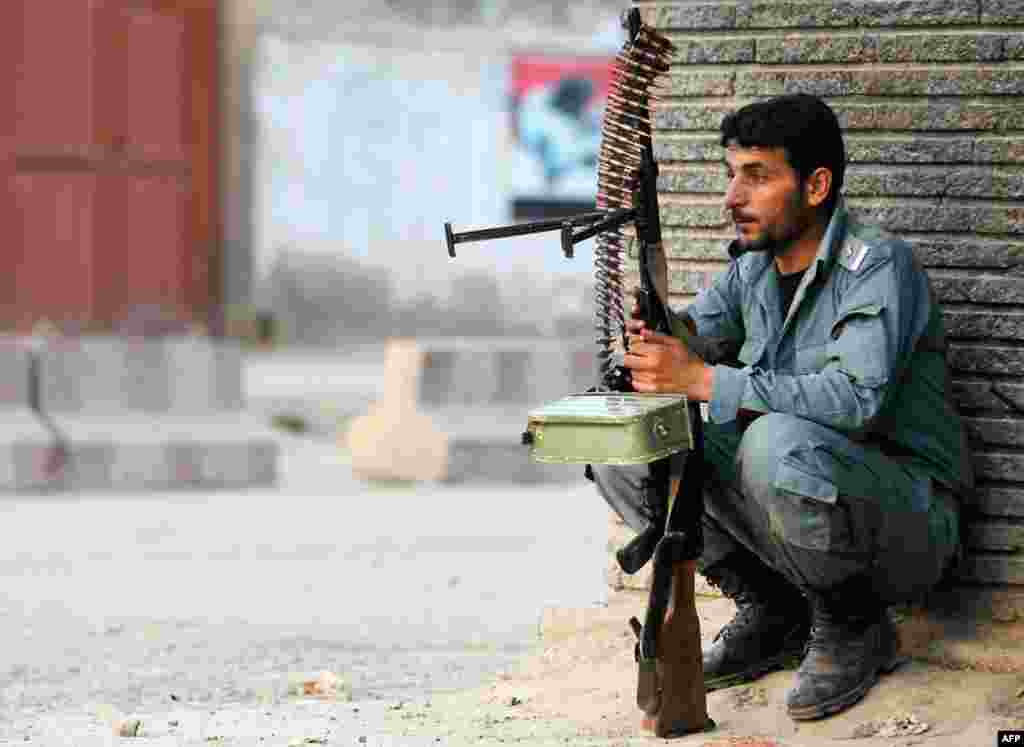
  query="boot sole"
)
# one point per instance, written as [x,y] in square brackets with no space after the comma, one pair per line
[847,699]
[785,660]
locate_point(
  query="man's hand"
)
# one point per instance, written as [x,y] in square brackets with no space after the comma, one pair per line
[663,364]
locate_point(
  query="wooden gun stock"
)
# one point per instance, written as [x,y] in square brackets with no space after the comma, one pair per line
[681,703]
[670,689]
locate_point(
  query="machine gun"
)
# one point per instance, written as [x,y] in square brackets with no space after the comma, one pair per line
[611,423]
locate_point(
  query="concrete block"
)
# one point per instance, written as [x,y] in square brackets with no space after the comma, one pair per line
[146,452]
[187,375]
[435,421]
[482,461]
[461,373]
[15,366]
[238,463]
[459,376]
[140,464]
[73,372]
[27,451]
[204,374]
[88,466]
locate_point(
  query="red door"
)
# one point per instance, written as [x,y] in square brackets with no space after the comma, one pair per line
[110,161]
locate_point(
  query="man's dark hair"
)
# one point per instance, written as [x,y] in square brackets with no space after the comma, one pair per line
[803,125]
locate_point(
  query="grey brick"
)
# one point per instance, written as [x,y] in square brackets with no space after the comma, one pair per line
[934,115]
[968,252]
[689,281]
[998,466]
[702,83]
[777,83]
[711,50]
[767,14]
[689,148]
[919,182]
[804,50]
[911,149]
[1013,46]
[954,217]
[688,248]
[976,82]
[693,216]
[975,182]
[1003,185]
[941,47]
[995,431]
[961,46]
[1002,11]
[999,500]
[694,179]
[978,394]
[970,182]
[703,16]
[987,359]
[680,279]
[957,286]
[691,116]
[984,324]
[999,150]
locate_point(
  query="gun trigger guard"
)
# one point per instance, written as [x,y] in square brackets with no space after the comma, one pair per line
[648,686]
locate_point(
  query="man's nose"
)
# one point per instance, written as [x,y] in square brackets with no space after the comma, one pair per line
[735,195]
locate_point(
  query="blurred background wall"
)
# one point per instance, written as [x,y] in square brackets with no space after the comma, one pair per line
[354,131]
[186,165]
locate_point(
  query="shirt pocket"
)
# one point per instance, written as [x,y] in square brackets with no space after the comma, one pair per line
[751,352]
[866,364]
[811,358]
[806,513]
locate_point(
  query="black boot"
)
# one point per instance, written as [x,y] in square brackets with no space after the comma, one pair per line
[852,641]
[770,627]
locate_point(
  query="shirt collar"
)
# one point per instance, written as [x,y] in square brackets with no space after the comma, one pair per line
[832,241]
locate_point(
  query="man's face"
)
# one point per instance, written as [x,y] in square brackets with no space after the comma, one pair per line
[765,199]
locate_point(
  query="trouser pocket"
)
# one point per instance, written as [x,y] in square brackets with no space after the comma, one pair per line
[806,511]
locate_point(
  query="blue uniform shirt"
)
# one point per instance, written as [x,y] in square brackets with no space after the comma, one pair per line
[861,350]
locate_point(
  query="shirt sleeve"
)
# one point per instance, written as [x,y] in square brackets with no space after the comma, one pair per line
[870,341]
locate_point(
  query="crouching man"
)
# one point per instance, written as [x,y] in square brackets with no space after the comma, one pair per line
[835,454]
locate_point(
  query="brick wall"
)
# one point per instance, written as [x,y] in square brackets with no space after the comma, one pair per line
[929,93]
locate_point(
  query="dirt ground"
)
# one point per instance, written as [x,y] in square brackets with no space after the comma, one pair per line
[578,688]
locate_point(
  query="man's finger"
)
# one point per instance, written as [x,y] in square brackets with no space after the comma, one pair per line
[635,326]
[639,362]
[656,338]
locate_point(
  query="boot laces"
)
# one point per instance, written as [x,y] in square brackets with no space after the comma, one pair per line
[747,611]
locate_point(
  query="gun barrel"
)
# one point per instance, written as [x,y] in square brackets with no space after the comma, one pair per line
[518,229]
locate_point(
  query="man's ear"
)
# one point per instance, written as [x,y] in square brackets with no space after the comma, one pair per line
[817,186]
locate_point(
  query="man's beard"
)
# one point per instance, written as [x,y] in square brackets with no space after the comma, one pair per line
[764,243]
[795,224]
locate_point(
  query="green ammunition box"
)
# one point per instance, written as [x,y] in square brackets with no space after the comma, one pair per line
[609,428]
